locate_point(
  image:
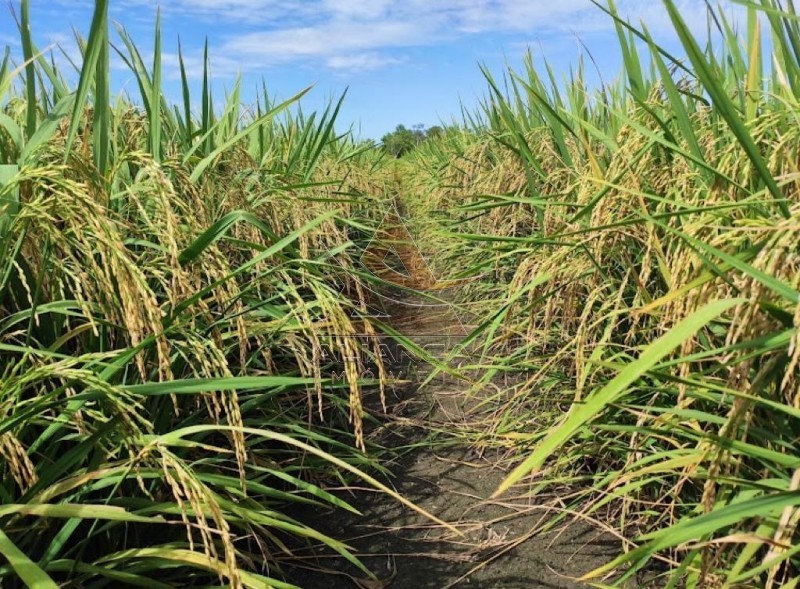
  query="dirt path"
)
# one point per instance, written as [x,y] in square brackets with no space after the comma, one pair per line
[500,547]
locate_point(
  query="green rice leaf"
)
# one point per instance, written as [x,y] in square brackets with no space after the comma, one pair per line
[28,571]
[582,413]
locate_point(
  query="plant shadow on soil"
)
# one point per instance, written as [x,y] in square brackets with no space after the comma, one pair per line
[499,546]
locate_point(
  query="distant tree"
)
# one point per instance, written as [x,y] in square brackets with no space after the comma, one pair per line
[434,132]
[402,140]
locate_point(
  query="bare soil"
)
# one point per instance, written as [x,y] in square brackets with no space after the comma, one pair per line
[501,543]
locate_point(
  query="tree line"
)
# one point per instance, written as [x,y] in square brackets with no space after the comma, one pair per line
[402,140]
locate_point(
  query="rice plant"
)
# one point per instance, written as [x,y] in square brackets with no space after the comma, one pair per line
[171,308]
[177,281]
[642,242]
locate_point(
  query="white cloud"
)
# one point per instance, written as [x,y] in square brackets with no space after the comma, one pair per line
[363,34]
[220,66]
[361,61]
[325,40]
[241,11]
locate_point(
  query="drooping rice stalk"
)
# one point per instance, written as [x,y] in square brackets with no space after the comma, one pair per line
[172,299]
[642,244]
[171,315]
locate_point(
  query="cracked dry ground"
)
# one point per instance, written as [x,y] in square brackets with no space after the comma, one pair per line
[501,545]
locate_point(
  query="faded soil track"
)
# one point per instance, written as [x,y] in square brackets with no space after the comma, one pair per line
[501,545]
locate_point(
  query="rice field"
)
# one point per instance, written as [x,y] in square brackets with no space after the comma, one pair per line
[181,284]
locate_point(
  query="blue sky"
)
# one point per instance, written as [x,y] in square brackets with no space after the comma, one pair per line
[404,61]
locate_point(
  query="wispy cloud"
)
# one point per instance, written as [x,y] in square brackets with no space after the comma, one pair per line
[368,34]
[362,61]
[247,12]
[325,40]
[220,66]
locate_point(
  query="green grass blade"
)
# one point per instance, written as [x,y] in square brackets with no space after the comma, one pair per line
[155,97]
[708,75]
[98,36]
[28,571]
[676,101]
[207,113]
[582,413]
[203,164]
[179,435]
[30,70]
[697,528]
[188,123]
[219,230]
[82,510]
[101,118]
